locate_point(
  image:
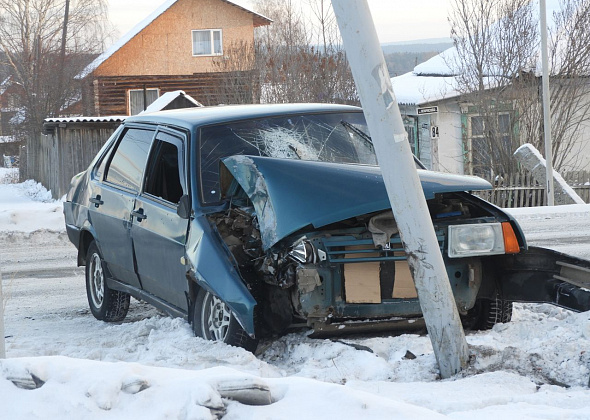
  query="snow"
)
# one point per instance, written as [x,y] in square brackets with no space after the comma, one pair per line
[411,88]
[150,366]
[164,100]
[434,79]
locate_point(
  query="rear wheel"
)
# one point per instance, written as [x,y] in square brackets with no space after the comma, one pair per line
[105,304]
[486,313]
[213,320]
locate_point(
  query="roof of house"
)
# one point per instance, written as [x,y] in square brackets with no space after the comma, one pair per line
[259,20]
[435,79]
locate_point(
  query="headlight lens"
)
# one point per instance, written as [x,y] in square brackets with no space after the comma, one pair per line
[476,239]
[303,252]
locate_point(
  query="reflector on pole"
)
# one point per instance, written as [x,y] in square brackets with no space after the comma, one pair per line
[403,184]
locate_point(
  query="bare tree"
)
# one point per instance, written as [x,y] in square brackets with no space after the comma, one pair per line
[44,54]
[301,60]
[497,71]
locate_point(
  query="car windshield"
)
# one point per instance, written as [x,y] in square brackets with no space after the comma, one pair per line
[327,137]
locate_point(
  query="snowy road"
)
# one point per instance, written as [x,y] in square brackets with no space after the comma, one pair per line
[537,366]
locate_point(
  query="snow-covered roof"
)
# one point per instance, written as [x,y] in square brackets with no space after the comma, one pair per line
[434,80]
[70,120]
[164,100]
[8,139]
[414,89]
[443,63]
[259,20]
[5,84]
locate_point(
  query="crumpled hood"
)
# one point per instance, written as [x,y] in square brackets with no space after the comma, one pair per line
[289,195]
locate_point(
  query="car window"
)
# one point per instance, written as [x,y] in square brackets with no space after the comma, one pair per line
[329,137]
[126,166]
[164,170]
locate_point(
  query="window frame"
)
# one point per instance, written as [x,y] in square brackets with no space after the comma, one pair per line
[212,52]
[140,90]
[482,136]
[180,141]
[113,152]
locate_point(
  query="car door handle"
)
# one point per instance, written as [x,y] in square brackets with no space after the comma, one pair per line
[139,215]
[97,201]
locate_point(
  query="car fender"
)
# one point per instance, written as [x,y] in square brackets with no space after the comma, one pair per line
[214,269]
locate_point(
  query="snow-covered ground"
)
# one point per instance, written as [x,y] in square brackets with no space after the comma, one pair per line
[70,366]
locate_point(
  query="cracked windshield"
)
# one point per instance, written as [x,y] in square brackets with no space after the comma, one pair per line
[338,138]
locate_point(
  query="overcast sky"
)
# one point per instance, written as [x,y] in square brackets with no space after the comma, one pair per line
[396,20]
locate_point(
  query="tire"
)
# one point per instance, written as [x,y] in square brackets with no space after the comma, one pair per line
[213,320]
[486,313]
[105,304]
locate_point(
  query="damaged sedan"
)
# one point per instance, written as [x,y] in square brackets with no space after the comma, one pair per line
[249,220]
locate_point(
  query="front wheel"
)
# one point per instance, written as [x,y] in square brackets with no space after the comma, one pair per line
[212,320]
[488,312]
[105,304]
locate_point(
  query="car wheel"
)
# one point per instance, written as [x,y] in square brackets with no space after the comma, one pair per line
[105,304]
[486,313]
[213,320]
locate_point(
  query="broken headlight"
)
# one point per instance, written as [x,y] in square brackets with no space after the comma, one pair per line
[476,239]
[305,253]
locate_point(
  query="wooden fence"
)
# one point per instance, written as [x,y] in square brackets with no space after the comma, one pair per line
[522,190]
[64,151]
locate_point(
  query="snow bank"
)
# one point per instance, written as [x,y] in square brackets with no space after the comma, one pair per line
[28,206]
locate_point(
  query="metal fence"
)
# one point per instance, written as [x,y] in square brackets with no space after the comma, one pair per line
[522,190]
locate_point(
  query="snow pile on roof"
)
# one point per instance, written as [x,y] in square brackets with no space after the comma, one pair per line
[165,100]
[109,119]
[8,139]
[413,89]
[140,27]
[439,65]
[434,79]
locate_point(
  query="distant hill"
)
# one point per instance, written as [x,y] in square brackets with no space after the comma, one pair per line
[402,57]
[423,45]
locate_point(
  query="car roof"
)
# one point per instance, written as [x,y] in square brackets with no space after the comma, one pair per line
[192,117]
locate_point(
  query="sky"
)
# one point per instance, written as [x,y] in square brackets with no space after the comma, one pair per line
[395,20]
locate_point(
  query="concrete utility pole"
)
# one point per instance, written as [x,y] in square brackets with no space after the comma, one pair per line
[403,184]
[546,106]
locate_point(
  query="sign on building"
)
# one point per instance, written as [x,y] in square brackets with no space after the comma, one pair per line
[428,110]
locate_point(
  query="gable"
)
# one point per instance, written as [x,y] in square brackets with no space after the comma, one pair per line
[162,44]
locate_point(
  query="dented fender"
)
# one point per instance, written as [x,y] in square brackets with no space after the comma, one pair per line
[213,268]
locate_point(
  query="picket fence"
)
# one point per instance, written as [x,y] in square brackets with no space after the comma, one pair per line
[522,190]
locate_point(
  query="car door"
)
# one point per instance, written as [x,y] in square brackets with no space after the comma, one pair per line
[158,232]
[115,186]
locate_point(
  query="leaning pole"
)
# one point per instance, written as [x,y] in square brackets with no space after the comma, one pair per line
[403,184]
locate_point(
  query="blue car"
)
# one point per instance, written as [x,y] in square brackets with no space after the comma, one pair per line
[249,220]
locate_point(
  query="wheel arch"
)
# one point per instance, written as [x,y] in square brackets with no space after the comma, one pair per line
[86,238]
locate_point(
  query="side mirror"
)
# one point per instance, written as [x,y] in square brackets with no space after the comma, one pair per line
[184,207]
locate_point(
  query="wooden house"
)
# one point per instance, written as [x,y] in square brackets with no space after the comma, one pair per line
[174,48]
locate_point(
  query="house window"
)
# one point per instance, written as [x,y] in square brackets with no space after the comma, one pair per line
[207,42]
[140,99]
[489,139]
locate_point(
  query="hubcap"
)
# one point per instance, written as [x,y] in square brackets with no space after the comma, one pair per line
[215,318]
[96,280]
